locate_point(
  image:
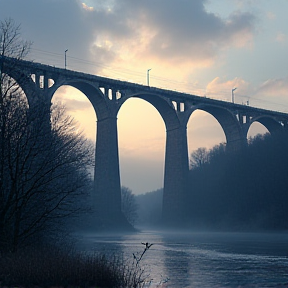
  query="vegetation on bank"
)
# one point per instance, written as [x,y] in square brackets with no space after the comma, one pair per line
[45,180]
[44,159]
[243,190]
[55,267]
[150,208]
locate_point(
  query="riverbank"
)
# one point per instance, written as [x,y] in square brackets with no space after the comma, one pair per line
[66,267]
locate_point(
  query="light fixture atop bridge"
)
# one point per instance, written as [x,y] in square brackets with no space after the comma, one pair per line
[66,58]
[148,76]
[233,94]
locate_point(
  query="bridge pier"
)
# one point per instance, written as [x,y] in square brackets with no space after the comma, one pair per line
[107,187]
[175,176]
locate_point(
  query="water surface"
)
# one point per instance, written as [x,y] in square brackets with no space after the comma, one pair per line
[202,259]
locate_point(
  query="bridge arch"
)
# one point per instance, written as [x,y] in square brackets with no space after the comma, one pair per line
[176,156]
[79,108]
[25,82]
[141,135]
[203,130]
[162,105]
[232,129]
[270,123]
[256,128]
[91,90]
[107,188]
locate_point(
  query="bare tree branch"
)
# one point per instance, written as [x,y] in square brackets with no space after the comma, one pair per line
[44,165]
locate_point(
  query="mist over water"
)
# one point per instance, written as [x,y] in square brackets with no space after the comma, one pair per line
[201,259]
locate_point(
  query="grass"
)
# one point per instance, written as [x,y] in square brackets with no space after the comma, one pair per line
[54,267]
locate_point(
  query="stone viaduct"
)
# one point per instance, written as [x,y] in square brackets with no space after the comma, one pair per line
[107,95]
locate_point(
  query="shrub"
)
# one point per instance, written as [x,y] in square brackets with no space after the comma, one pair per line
[66,268]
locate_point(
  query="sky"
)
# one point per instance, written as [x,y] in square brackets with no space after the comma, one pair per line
[201,47]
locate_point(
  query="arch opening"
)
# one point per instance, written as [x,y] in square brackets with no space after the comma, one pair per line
[203,131]
[13,91]
[79,107]
[256,128]
[270,125]
[141,138]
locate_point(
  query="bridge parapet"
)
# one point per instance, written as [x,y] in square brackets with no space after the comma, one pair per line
[180,98]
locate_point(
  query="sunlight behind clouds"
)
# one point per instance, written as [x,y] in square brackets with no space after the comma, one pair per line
[86,7]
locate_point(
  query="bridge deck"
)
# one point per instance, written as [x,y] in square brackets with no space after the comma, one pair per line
[177,96]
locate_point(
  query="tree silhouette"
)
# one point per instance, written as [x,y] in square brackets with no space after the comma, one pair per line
[129,205]
[43,164]
[199,158]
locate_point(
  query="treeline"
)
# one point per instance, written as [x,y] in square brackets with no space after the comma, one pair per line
[243,190]
[149,208]
[236,191]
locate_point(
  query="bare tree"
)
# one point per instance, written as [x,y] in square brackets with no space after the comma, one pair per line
[199,157]
[43,173]
[129,205]
[44,165]
[11,43]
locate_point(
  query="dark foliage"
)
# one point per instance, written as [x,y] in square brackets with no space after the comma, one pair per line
[244,190]
[54,267]
[150,208]
[44,173]
[43,158]
[128,205]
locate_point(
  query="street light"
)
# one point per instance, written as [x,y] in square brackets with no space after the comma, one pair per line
[233,94]
[65,58]
[148,76]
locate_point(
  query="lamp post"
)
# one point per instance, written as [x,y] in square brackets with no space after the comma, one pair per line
[148,76]
[233,94]
[66,58]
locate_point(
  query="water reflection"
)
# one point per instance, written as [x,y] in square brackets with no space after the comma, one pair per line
[107,244]
[202,259]
[177,266]
[152,261]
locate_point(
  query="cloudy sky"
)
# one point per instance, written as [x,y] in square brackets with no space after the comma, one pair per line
[201,47]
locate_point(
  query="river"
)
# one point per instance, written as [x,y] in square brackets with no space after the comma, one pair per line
[202,259]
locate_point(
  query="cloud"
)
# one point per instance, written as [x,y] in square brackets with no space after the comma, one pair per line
[271,15]
[172,32]
[53,26]
[129,31]
[281,37]
[222,89]
[271,94]
[274,87]
[86,7]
